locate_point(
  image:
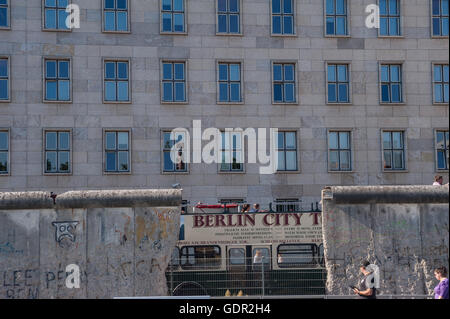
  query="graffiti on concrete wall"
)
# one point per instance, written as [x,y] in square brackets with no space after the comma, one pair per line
[64,230]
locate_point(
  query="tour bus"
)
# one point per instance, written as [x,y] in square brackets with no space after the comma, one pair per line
[222,251]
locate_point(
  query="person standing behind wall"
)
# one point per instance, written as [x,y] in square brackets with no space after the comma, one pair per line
[441,290]
[366,289]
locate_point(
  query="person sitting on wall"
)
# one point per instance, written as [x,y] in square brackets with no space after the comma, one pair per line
[441,290]
[438,180]
[366,289]
[245,208]
[255,208]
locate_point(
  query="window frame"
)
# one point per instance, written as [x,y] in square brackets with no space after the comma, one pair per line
[8,16]
[161,80]
[294,264]
[437,169]
[442,64]
[44,19]
[116,130]
[405,150]
[402,86]
[44,151]
[8,131]
[192,266]
[349,81]
[116,60]
[185,26]
[348,22]
[440,36]
[44,79]
[242,150]
[8,78]
[294,21]
[296,84]
[241,82]
[400,20]
[350,149]
[297,151]
[128,10]
[240,33]
[174,172]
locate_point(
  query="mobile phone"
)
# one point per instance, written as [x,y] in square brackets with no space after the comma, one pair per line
[352,287]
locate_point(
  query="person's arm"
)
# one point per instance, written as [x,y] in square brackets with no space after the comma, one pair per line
[367,292]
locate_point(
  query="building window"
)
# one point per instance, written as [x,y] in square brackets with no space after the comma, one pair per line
[4,152]
[4,79]
[117,151]
[284,83]
[336,17]
[440,18]
[57,80]
[4,14]
[283,17]
[442,155]
[115,15]
[172,16]
[55,14]
[174,81]
[116,81]
[228,17]
[391,83]
[389,18]
[338,83]
[229,82]
[393,150]
[440,83]
[339,151]
[178,146]
[57,152]
[287,151]
[231,153]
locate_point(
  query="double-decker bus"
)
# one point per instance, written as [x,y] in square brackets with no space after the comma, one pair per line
[222,251]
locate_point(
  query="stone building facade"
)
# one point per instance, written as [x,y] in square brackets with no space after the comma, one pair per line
[27,43]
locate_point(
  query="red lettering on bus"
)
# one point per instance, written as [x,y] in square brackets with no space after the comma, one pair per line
[198,221]
[265,221]
[250,219]
[219,221]
[297,218]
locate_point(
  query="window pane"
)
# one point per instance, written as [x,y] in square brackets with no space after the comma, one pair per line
[278,92]
[441,162]
[222,20]
[51,141]
[234,72]
[178,19]
[394,26]
[3,67]
[235,92]
[330,25]
[110,21]
[342,73]
[289,72]
[341,7]
[168,143]
[223,72]
[345,160]
[122,21]
[50,19]
[333,140]
[446,93]
[332,73]
[385,93]
[63,90]
[122,140]
[439,140]
[334,160]
[444,5]
[445,72]
[281,140]
[438,93]
[276,24]
[168,92]
[393,7]
[287,6]
[383,7]
[387,143]
[110,140]
[290,140]
[330,7]
[288,25]
[276,6]
[168,164]
[178,5]
[444,26]
[277,73]
[167,22]
[63,140]
[398,140]
[281,161]
[4,94]
[384,26]
[385,73]
[396,93]
[50,67]
[123,161]
[332,93]
[3,162]
[122,91]
[167,71]
[237,256]
[289,92]
[51,161]
[341,25]
[109,4]
[223,92]
[395,73]
[398,159]
[3,141]
[122,70]
[436,7]
[62,16]
[437,73]
[387,160]
[50,91]
[291,160]
[222,5]
[121,4]
[110,91]
[343,93]
[110,70]
[111,161]
[63,161]
[344,142]
[63,69]
[234,5]
[179,91]
[179,71]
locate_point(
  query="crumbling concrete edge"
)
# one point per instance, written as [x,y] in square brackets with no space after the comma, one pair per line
[91,199]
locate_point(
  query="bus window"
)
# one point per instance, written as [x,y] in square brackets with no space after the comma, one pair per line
[321,255]
[261,256]
[200,257]
[296,255]
[175,258]
[237,256]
